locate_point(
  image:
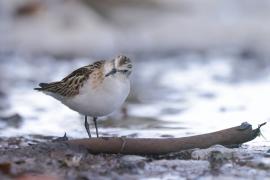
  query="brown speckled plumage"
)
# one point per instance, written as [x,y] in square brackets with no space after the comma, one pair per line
[70,85]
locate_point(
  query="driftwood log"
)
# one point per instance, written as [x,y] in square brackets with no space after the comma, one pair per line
[155,146]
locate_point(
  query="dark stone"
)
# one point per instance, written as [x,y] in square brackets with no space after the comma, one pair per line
[2,94]
[14,120]
[207,95]
[222,109]
[171,111]
[216,160]
[244,126]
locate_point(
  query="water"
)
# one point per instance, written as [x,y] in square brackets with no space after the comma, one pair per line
[171,97]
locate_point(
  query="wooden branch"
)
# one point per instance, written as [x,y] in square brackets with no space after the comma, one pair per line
[154,146]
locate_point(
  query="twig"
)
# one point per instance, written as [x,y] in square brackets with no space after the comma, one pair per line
[154,146]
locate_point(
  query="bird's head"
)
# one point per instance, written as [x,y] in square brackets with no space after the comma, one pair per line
[122,65]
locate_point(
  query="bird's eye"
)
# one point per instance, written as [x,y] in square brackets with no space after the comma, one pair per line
[125,61]
[123,71]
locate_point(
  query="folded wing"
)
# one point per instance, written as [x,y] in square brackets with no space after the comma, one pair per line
[71,84]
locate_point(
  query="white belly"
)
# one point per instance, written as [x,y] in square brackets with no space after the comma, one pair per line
[102,100]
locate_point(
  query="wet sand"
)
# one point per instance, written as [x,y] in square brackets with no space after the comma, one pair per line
[40,157]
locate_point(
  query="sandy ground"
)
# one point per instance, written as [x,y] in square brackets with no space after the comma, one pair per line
[37,156]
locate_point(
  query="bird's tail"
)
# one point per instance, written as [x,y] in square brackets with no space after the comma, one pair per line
[43,86]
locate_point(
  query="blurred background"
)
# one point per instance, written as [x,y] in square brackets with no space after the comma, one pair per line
[199,66]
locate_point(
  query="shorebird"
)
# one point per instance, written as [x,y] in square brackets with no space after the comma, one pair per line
[94,90]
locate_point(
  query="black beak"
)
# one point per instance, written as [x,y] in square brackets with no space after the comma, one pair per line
[113,71]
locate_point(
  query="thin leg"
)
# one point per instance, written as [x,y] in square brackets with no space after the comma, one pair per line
[95,121]
[87,126]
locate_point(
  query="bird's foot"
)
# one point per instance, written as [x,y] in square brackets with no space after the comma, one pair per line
[123,144]
[60,139]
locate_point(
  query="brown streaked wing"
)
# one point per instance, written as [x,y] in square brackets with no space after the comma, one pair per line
[71,84]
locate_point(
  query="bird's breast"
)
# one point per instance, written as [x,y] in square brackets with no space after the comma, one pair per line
[102,99]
